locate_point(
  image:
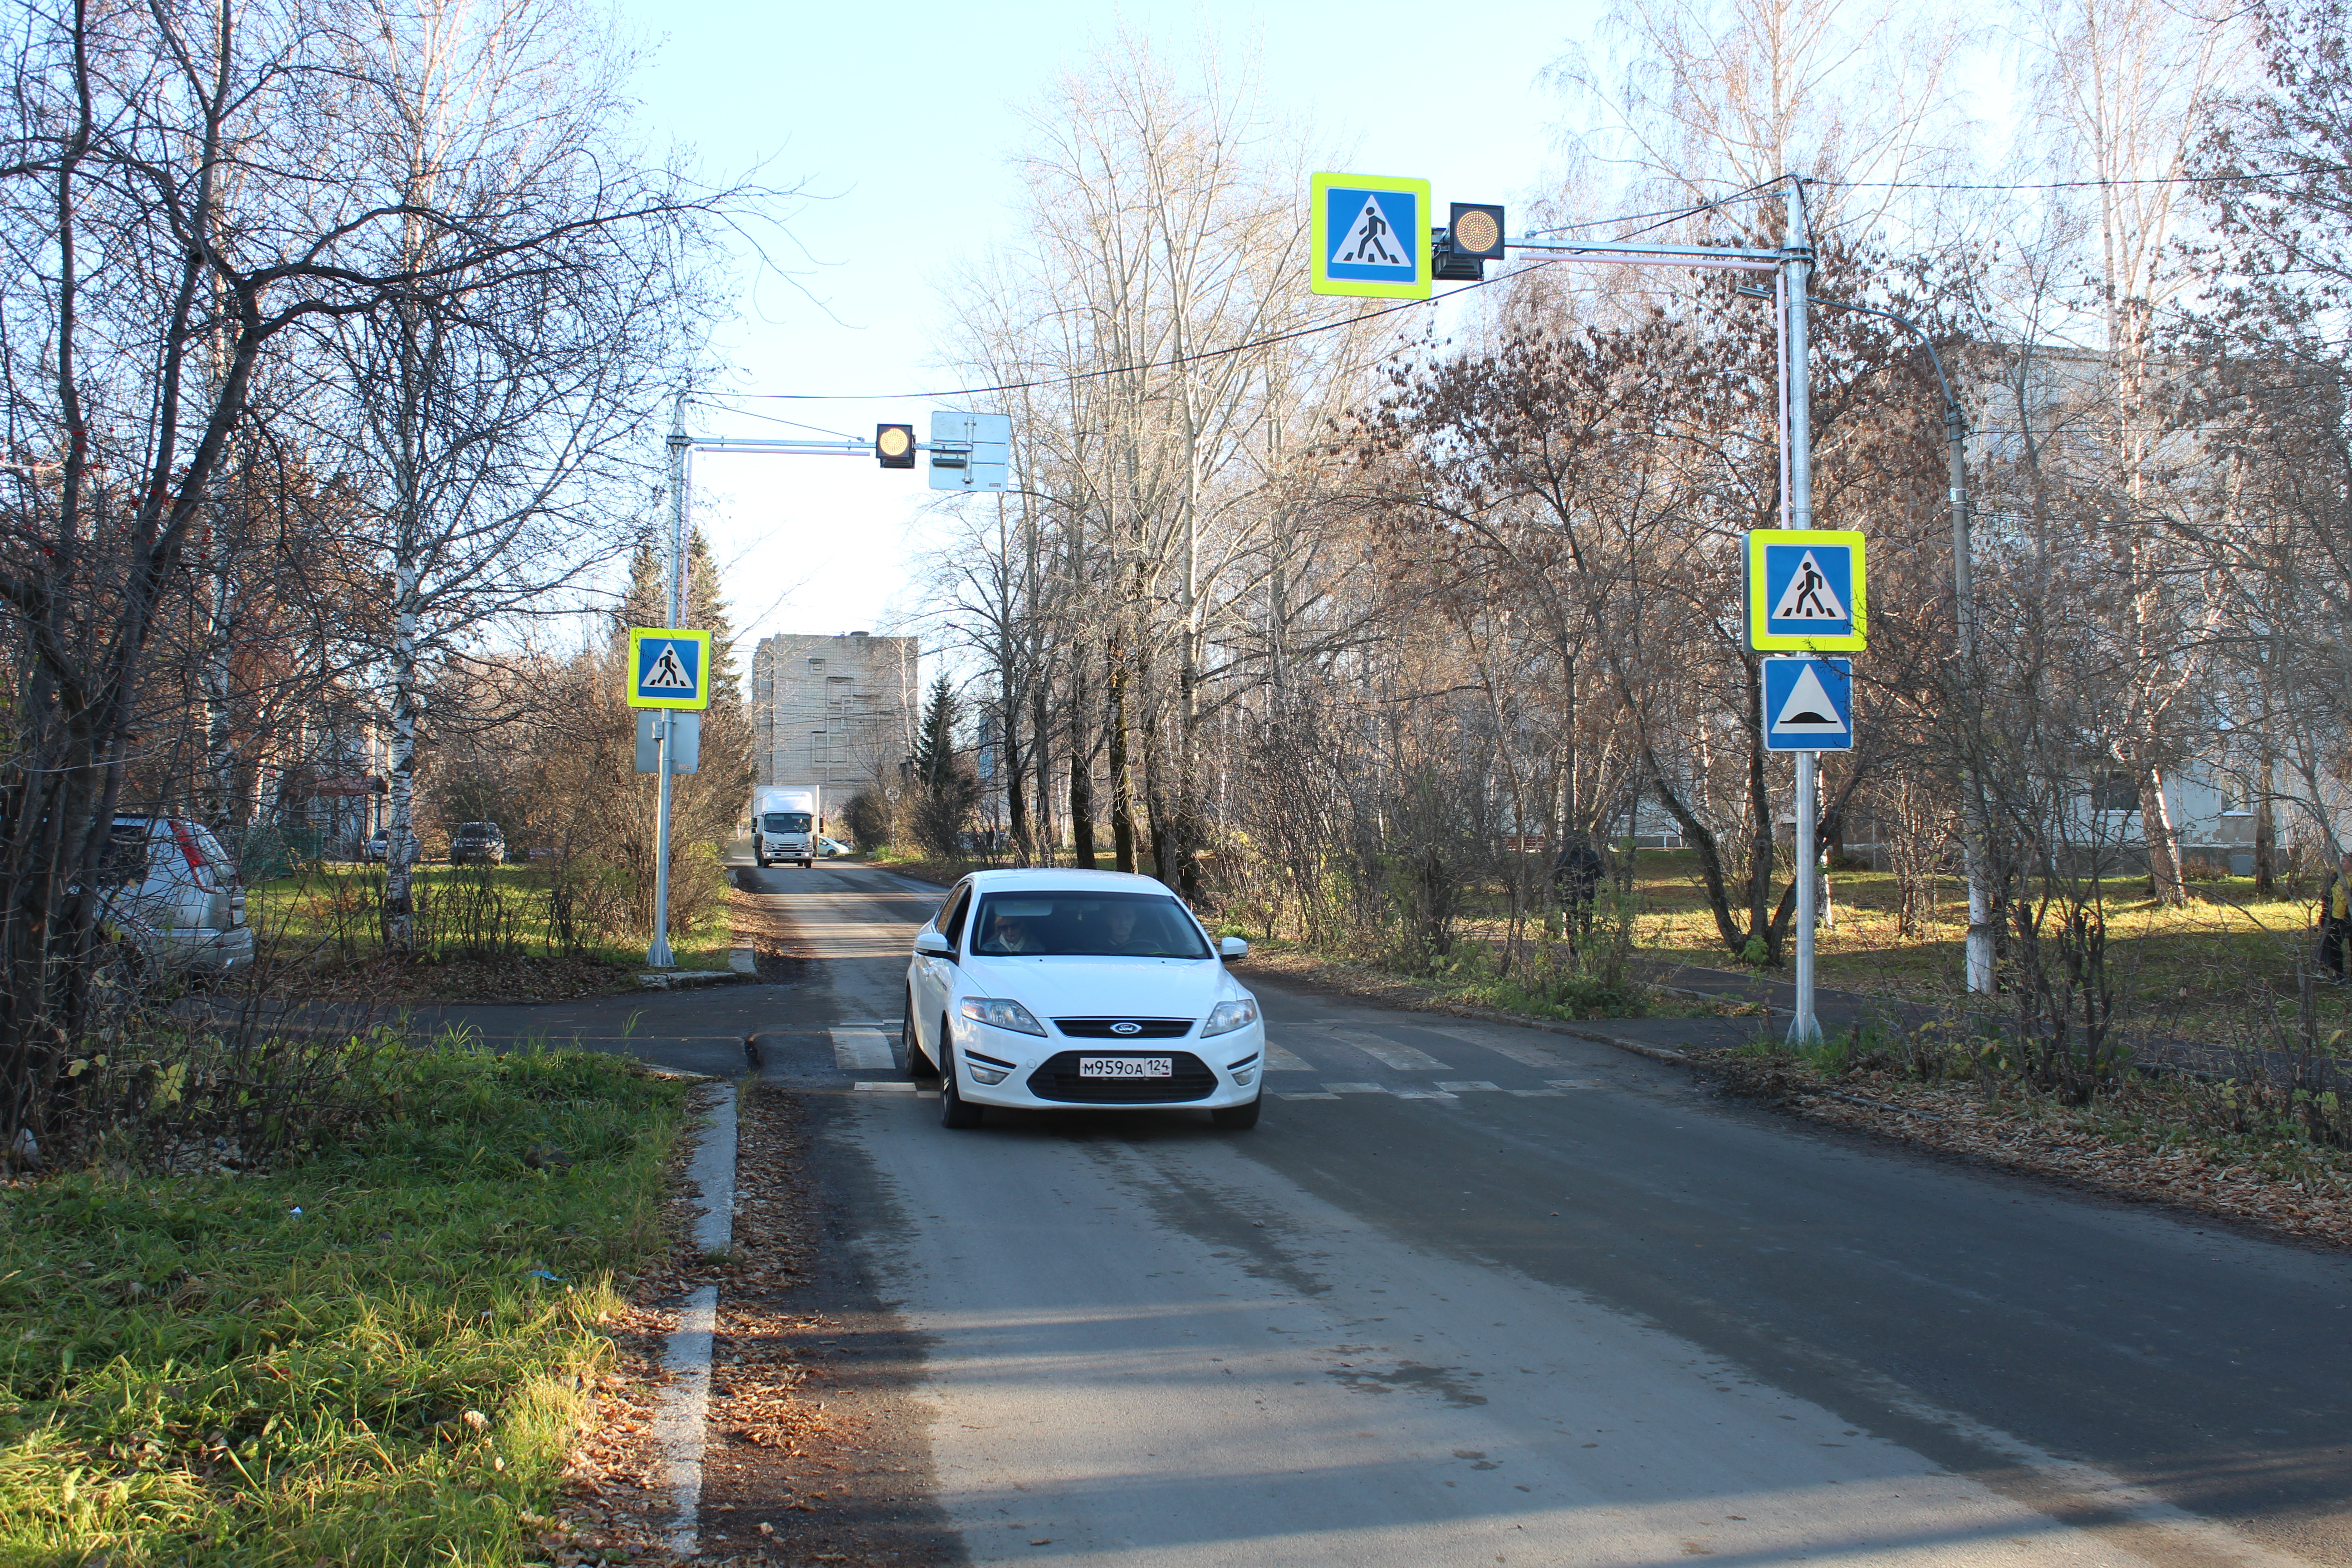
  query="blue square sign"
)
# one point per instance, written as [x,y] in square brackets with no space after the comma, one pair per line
[669,666]
[1808,704]
[1370,235]
[1806,591]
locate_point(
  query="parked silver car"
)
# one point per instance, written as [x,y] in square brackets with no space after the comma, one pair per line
[174,892]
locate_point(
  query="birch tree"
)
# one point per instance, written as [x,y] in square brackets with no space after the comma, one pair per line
[500,412]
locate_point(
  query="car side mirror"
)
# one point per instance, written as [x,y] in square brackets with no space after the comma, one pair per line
[1232,947]
[932,944]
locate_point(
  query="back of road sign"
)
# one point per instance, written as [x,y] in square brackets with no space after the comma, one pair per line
[684,742]
[1808,704]
[1805,591]
[988,437]
[1369,236]
[668,667]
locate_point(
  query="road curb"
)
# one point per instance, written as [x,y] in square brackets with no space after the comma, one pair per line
[683,1414]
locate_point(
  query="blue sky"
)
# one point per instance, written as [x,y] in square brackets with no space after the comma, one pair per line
[899,123]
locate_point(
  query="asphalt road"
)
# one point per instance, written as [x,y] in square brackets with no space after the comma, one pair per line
[1476,1294]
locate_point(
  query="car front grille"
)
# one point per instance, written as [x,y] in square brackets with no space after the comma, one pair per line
[1059,1080]
[1146,1028]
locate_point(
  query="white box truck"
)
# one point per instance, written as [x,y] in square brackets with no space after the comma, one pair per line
[785,824]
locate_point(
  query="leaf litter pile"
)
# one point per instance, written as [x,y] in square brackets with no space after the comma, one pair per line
[814,1451]
[2136,1150]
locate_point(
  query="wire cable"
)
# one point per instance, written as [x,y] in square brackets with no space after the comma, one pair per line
[1179,360]
[2244,178]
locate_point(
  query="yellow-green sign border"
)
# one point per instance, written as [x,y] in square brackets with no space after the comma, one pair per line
[1318,220]
[697,703]
[1759,610]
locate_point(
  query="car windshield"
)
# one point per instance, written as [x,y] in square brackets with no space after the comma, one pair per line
[1086,925]
[480,829]
[787,822]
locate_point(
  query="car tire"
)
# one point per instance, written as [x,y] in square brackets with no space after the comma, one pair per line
[954,1109]
[918,1066]
[1237,1118]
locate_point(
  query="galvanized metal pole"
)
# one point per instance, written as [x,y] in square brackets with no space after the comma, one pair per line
[1974,851]
[1803,1028]
[657,954]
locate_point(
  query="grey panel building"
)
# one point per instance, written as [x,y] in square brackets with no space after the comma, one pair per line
[834,710]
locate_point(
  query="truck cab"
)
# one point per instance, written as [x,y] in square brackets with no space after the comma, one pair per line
[785,824]
[782,836]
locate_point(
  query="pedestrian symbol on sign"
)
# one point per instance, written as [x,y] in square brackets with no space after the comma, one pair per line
[1370,241]
[667,674]
[1809,596]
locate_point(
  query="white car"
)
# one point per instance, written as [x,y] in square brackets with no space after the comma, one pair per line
[174,893]
[1066,990]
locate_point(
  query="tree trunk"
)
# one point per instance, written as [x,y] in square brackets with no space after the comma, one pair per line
[1041,759]
[1014,767]
[2266,831]
[401,853]
[2163,841]
[1082,777]
[1122,782]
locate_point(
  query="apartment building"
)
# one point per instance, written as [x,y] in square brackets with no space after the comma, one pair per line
[834,710]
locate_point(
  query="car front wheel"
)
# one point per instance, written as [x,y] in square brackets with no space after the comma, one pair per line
[954,1109]
[918,1066]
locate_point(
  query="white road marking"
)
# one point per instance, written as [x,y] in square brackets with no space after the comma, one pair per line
[1525,1055]
[1355,1088]
[1463,1086]
[683,1413]
[1388,1052]
[892,1088]
[854,1049]
[1279,1060]
[1281,1096]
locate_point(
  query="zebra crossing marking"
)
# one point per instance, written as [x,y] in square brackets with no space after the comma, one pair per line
[860,1049]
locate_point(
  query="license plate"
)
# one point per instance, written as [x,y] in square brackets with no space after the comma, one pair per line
[1127,1067]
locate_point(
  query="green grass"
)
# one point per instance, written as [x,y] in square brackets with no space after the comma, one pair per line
[193,1372]
[2189,969]
[324,913]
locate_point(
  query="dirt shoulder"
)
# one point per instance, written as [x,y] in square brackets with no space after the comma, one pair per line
[816,1446]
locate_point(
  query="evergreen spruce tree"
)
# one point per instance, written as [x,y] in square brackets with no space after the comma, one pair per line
[945,789]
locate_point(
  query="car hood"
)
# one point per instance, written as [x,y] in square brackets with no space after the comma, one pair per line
[1105,988]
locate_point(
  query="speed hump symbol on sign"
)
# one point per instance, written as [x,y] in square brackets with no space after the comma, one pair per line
[668,667]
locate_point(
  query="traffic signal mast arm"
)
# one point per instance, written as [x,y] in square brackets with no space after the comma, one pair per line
[1727,258]
[842,448]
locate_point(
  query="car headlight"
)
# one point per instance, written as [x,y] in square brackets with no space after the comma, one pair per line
[1227,1016]
[1001,1013]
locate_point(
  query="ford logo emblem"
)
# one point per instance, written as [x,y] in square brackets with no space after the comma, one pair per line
[1127,1028]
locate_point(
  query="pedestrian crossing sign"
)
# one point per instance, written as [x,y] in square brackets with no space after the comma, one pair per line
[1805,591]
[1369,236]
[670,668]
